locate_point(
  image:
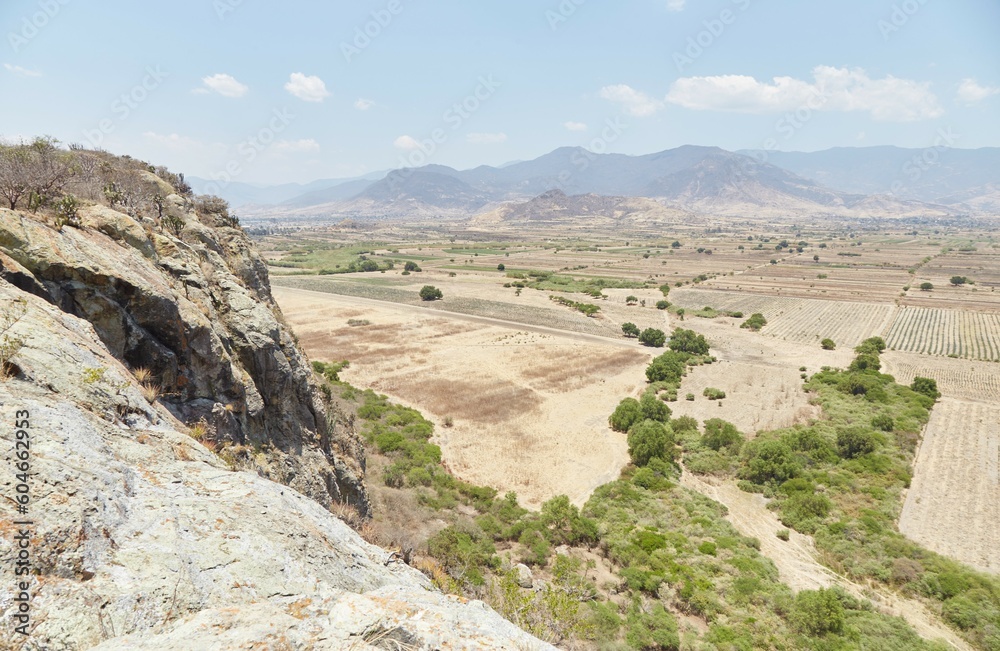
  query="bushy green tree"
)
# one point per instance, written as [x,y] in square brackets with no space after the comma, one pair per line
[649,439]
[688,341]
[627,413]
[768,461]
[630,329]
[564,525]
[411,266]
[653,408]
[721,434]
[430,293]
[854,442]
[668,367]
[652,337]
[828,344]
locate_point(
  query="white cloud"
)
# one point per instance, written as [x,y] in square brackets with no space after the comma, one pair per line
[485,138]
[675,5]
[21,72]
[307,89]
[409,143]
[575,126]
[633,102]
[296,146]
[832,89]
[363,104]
[971,92]
[224,85]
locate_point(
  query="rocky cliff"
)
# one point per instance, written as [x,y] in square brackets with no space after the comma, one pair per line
[141,537]
[191,304]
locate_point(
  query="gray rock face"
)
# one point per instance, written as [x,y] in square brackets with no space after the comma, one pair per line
[196,310]
[144,539]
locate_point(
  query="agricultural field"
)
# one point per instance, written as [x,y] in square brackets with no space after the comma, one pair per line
[516,409]
[958,333]
[956,378]
[953,505]
[801,320]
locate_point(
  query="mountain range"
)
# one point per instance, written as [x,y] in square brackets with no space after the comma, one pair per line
[871,181]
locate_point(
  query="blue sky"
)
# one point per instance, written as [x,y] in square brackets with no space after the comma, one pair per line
[273,92]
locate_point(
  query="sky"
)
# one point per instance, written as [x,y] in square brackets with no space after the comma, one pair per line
[293,91]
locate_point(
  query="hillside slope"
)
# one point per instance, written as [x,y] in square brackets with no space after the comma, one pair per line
[140,536]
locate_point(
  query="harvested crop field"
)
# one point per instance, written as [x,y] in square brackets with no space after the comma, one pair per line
[756,398]
[974,335]
[529,407]
[953,505]
[801,320]
[956,378]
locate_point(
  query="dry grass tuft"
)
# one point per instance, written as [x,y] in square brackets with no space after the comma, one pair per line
[150,391]
[142,375]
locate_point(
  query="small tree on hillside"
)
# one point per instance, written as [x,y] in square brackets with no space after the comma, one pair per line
[828,344]
[926,287]
[959,280]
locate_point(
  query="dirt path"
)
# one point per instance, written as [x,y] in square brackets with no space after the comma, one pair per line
[796,559]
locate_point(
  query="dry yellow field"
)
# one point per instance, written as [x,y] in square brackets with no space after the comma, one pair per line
[953,505]
[529,406]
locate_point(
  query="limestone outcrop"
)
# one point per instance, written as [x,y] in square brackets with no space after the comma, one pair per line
[141,537]
[193,306]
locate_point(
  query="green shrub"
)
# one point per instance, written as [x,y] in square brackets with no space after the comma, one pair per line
[688,341]
[926,386]
[817,612]
[652,337]
[651,628]
[713,394]
[828,344]
[768,461]
[630,330]
[755,322]
[662,305]
[430,293]
[853,442]
[720,435]
[649,439]
[883,422]
[653,409]
[627,413]
[669,367]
